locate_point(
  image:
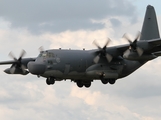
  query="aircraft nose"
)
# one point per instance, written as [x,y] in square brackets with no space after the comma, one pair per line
[36,68]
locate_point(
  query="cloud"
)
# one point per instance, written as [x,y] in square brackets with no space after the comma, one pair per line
[73,26]
[56,16]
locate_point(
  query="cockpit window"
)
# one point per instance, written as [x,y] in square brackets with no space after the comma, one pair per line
[46,54]
[50,55]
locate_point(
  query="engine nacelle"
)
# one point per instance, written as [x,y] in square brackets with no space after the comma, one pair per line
[135,57]
[103,70]
[16,71]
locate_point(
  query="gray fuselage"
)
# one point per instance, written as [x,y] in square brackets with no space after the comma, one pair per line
[79,65]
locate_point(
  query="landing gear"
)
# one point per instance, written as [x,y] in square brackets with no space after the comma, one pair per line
[111,81]
[80,84]
[50,81]
[87,85]
[104,81]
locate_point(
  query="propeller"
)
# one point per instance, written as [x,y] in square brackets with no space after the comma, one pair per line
[17,63]
[133,44]
[41,49]
[102,51]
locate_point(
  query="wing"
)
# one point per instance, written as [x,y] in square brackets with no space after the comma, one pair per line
[7,62]
[152,44]
[147,47]
[122,48]
[18,66]
[23,61]
[155,42]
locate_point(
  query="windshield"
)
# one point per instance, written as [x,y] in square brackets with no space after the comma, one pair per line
[46,54]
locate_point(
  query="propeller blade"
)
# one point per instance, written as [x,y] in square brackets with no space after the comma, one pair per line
[23,53]
[107,43]
[23,68]
[12,70]
[96,59]
[12,56]
[102,51]
[17,64]
[138,35]
[41,48]
[126,53]
[96,44]
[127,38]
[139,51]
[109,57]
[133,44]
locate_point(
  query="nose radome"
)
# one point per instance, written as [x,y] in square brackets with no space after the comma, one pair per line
[36,68]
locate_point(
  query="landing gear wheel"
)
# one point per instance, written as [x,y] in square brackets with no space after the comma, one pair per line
[112,81]
[47,81]
[104,81]
[87,85]
[50,81]
[79,84]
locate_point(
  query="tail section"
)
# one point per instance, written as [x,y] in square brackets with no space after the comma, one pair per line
[150,26]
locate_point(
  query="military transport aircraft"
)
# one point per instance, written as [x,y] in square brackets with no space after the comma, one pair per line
[84,66]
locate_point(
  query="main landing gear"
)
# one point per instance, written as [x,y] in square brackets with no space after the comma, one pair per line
[50,81]
[111,81]
[80,84]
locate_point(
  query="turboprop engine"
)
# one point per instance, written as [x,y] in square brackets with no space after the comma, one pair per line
[16,71]
[131,55]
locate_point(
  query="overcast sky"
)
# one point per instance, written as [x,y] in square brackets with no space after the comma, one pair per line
[75,24]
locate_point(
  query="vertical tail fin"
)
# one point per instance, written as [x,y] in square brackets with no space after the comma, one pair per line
[150,26]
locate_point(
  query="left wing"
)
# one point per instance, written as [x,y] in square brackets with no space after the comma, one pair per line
[7,62]
[18,66]
[23,61]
